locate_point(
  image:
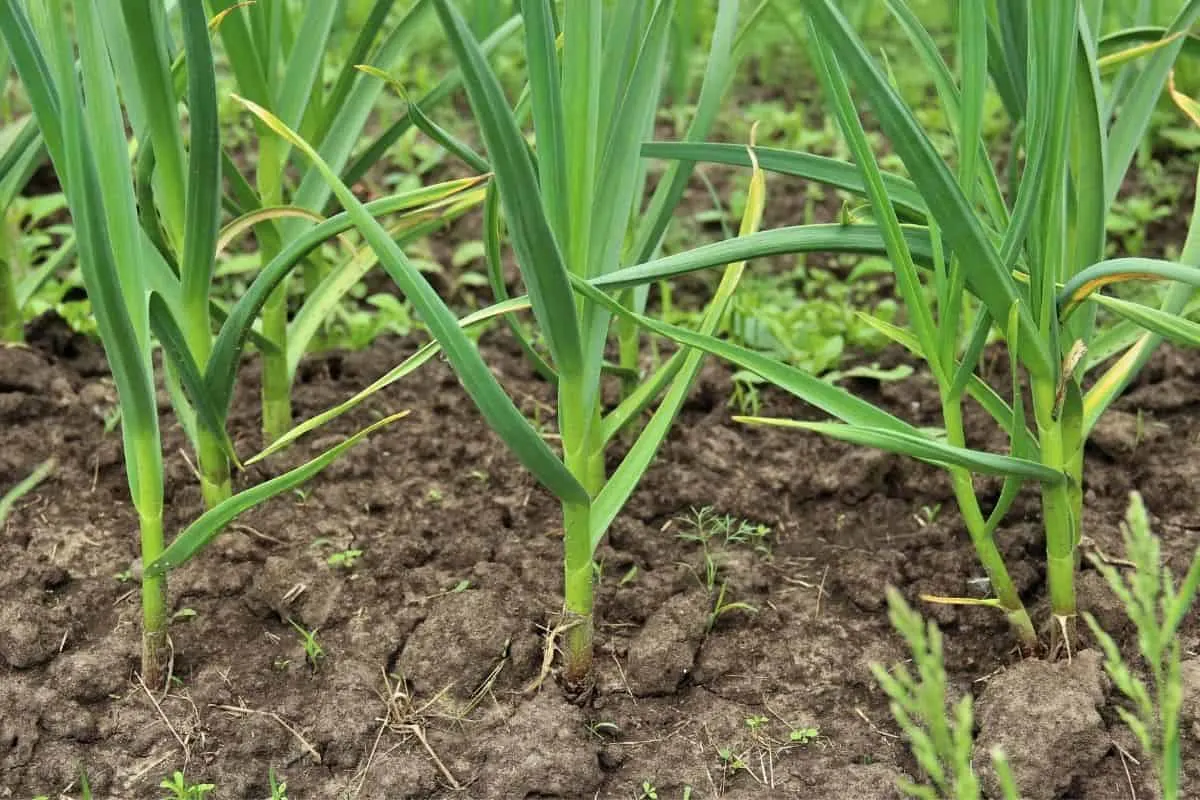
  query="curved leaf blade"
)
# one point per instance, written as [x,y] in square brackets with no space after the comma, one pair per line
[829,171]
[1119,270]
[1169,326]
[867,239]
[923,449]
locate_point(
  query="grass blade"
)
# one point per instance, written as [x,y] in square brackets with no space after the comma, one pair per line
[547,106]
[829,398]
[144,22]
[174,344]
[633,466]
[1119,270]
[40,473]
[202,208]
[1167,325]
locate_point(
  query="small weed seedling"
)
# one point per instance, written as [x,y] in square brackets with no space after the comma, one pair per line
[721,607]
[278,787]
[1156,607]
[941,740]
[745,397]
[803,735]
[182,790]
[344,558]
[731,762]
[928,514]
[313,652]
[705,527]
[648,791]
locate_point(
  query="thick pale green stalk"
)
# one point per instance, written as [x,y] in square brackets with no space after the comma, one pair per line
[155,609]
[1056,507]
[215,483]
[578,593]
[575,421]
[585,459]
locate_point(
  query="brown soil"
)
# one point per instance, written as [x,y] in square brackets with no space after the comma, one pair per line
[422,690]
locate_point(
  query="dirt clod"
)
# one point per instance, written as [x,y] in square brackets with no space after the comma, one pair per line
[544,750]
[30,635]
[1045,716]
[458,645]
[662,653]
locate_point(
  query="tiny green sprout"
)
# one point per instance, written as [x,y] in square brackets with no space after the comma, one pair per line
[756,722]
[184,613]
[479,475]
[344,559]
[745,532]
[434,495]
[928,514]
[804,735]
[182,790]
[457,588]
[703,525]
[745,397]
[281,664]
[124,577]
[302,495]
[278,787]
[648,791]
[720,607]
[730,760]
[687,793]
[629,577]
[313,652]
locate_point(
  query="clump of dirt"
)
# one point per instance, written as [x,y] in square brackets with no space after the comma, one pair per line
[432,636]
[1046,719]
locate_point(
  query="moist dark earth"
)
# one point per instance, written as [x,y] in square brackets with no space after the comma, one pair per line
[433,637]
